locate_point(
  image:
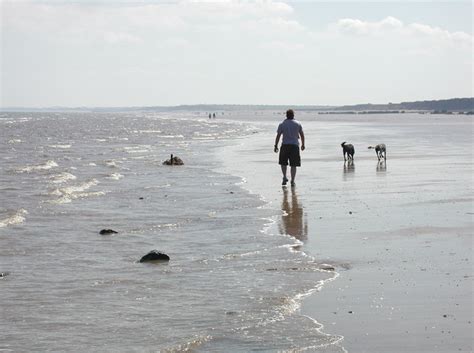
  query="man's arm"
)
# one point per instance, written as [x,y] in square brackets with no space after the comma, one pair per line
[302,140]
[277,139]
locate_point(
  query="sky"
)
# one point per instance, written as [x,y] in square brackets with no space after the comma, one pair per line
[165,53]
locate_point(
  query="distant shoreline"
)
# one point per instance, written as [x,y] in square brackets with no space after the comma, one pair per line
[445,106]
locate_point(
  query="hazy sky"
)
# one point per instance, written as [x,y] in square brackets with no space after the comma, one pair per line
[129,53]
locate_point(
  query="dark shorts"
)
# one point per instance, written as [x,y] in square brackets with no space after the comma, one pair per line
[290,153]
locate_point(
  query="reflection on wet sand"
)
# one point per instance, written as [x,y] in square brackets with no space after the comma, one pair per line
[381,166]
[293,221]
[348,169]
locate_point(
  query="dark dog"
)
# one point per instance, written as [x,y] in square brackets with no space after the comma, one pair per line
[348,149]
[380,151]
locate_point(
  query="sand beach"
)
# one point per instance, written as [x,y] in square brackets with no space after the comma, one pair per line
[398,234]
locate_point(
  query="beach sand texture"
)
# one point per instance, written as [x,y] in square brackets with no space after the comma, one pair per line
[399,234]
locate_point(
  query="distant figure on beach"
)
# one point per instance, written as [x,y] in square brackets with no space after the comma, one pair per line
[292,131]
[214,115]
[209,115]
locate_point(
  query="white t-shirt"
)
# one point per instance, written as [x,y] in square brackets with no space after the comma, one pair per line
[290,128]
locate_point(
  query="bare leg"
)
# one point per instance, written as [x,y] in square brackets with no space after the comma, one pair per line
[283,170]
[293,174]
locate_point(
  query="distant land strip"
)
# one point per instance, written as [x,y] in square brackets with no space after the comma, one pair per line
[444,106]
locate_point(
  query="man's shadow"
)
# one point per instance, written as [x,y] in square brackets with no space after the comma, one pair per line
[293,221]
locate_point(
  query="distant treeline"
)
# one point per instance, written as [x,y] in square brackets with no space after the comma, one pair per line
[445,105]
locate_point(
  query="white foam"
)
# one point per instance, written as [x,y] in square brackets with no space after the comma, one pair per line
[149,131]
[16,217]
[69,193]
[60,146]
[115,176]
[45,166]
[14,141]
[191,345]
[172,136]
[62,178]
[111,164]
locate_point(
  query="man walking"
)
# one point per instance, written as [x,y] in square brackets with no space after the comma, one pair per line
[292,131]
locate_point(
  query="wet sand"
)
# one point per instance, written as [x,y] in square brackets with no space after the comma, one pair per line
[399,234]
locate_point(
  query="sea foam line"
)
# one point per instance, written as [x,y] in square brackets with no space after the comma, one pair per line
[69,193]
[44,166]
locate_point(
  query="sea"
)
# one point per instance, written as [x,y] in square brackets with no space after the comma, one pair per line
[235,279]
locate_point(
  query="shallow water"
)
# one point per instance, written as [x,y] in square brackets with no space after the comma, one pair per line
[231,284]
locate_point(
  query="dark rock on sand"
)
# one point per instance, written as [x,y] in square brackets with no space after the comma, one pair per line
[107,231]
[174,160]
[154,255]
[3,274]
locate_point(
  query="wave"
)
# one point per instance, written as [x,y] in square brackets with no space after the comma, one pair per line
[146,131]
[62,178]
[45,166]
[15,217]
[112,163]
[13,141]
[115,176]
[60,146]
[188,346]
[73,192]
[171,136]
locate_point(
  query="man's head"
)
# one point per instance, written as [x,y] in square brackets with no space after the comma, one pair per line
[290,114]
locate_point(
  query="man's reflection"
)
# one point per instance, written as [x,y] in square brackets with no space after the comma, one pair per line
[292,222]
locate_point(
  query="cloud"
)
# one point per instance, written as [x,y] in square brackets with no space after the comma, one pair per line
[436,32]
[393,26]
[359,27]
[160,25]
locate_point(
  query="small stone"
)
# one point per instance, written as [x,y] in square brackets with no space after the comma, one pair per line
[327,268]
[140,198]
[107,231]
[350,312]
[350,212]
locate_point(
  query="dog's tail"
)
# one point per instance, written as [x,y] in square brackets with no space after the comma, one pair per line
[342,144]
